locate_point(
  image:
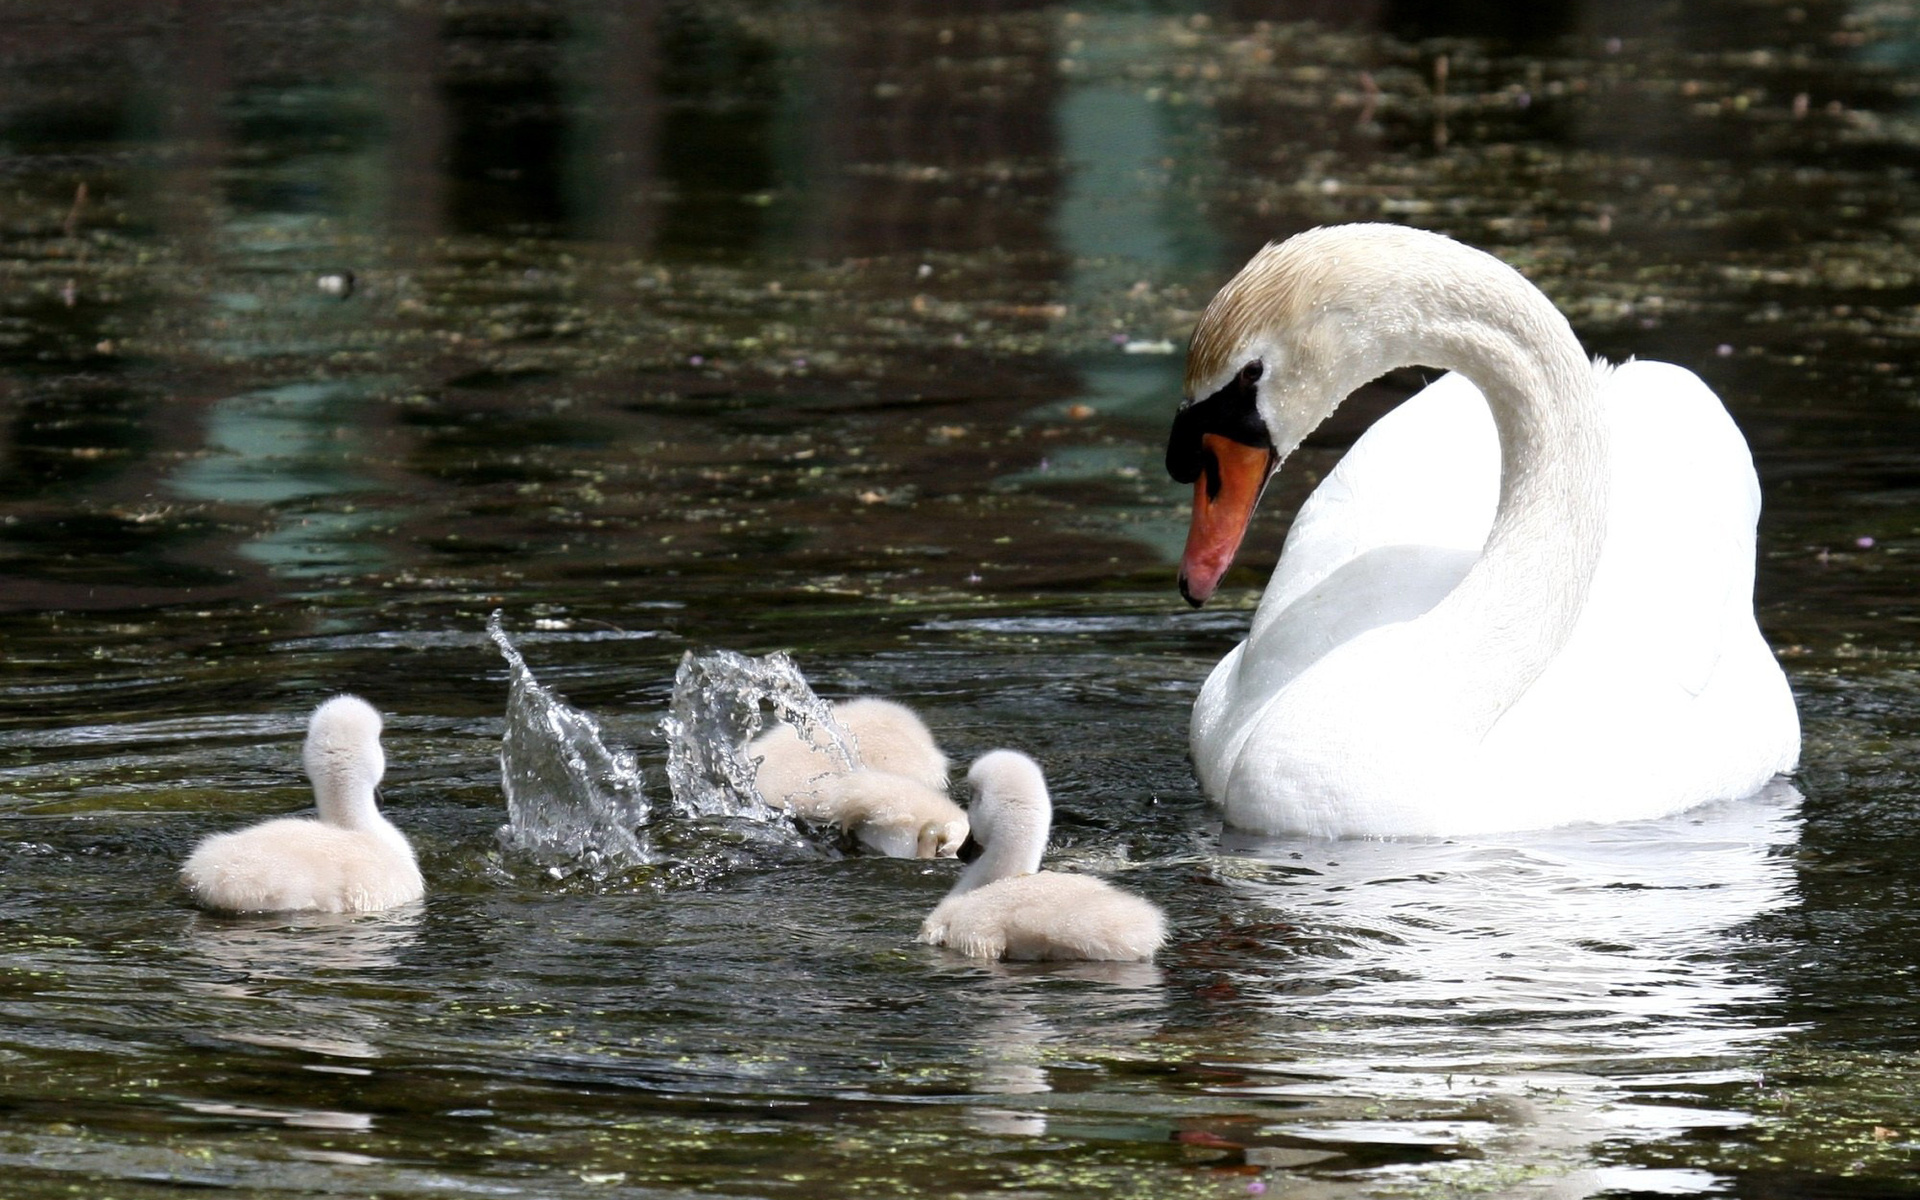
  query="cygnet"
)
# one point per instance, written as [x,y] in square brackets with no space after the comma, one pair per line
[892,814]
[351,859]
[893,799]
[887,737]
[1005,906]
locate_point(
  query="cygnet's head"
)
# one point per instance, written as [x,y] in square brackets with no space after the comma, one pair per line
[892,738]
[344,759]
[941,839]
[897,816]
[1010,816]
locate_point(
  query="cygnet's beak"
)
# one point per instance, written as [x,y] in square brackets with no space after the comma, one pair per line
[938,840]
[970,849]
[1225,493]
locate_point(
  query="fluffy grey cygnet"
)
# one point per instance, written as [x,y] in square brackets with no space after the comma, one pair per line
[895,798]
[1005,906]
[350,859]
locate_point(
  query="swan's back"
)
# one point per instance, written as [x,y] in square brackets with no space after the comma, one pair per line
[294,863]
[888,737]
[1425,478]
[1667,694]
[892,738]
[789,765]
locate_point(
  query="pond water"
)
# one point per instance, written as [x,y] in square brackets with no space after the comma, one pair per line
[853,331]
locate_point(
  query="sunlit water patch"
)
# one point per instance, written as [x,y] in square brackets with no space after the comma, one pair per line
[1546,998]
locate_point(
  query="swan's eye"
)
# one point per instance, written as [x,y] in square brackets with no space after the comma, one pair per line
[1233,412]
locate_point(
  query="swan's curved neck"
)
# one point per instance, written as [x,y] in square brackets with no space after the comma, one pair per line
[1518,604]
[1523,597]
[1335,308]
[1018,843]
[346,799]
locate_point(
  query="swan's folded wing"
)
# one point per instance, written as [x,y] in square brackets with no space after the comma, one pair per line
[1389,531]
[1426,474]
[1675,582]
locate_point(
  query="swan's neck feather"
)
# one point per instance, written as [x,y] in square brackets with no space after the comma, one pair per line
[345,763]
[345,796]
[1013,838]
[1332,309]
[346,780]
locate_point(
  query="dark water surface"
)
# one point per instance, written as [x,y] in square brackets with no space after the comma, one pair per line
[852,330]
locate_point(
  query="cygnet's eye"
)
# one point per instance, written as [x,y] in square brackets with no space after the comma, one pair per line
[1250,374]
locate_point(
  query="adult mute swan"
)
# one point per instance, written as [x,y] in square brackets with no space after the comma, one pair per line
[1522,599]
[894,798]
[1005,906]
[351,859]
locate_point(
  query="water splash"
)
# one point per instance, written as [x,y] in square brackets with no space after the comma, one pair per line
[574,805]
[717,708]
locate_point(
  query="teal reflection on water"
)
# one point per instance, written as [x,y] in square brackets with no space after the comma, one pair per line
[1123,220]
[1125,198]
[282,446]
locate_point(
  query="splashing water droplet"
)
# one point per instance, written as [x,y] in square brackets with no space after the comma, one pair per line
[717,701]
[572,804]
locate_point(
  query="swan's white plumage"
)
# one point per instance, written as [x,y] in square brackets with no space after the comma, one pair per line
[1004,906]
[1338,715]
[893,738]
[893,799]
[890,814]
[351,859]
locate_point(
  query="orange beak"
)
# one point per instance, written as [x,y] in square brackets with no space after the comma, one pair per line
[1224,497]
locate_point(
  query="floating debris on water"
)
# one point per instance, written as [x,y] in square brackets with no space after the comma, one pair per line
[573,804]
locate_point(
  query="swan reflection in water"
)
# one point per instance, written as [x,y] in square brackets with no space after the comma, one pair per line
[286,969]
[1528,995]
[288,982]
[301,945]
[1010,1035]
